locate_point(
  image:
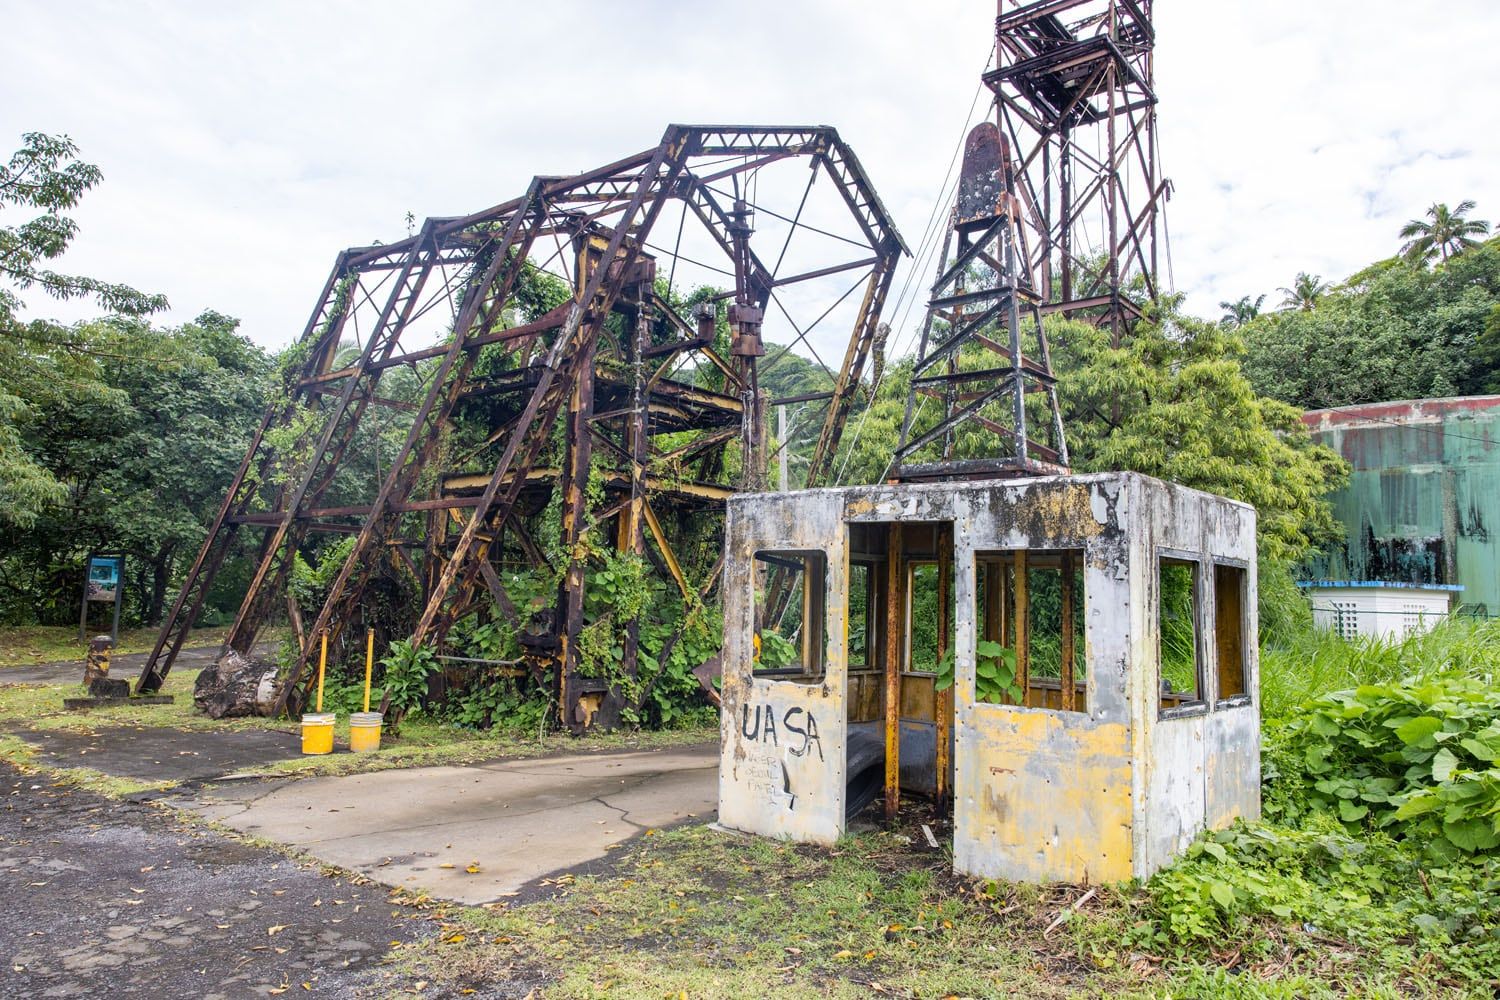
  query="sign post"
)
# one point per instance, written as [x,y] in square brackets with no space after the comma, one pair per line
[102,584]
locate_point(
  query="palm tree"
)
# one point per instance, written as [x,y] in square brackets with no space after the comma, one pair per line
[1305,292]
[1447,234]
[1241,312]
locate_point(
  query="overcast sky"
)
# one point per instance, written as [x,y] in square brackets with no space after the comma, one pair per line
[244,144]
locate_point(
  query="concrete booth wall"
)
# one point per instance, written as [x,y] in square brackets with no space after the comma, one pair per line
[1100,771]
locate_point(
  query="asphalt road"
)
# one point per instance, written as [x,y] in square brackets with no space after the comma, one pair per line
[126,666]
[107,898]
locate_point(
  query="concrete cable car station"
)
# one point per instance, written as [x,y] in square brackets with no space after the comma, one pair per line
[1068,660]
[1092,772]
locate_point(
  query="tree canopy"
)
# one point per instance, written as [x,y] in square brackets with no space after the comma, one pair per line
[1443,233]
[1173,402]
[1396,330]
[141,462]
[43,361]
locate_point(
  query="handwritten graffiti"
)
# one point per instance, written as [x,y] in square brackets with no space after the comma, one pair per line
[768,779]
[758,723]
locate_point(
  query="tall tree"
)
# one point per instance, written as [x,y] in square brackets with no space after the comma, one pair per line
[142,463]
[1396,330]
[1443,233]
[1240,312]
[40,359]
[1305,292]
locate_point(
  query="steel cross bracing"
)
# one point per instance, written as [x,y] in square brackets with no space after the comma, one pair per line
[1057,213]
[1075,97]
[608,371]
[972,361]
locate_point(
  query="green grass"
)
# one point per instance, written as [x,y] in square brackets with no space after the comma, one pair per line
[700,913]
[40,706]
[28,646]
[1302,664]
[421,741]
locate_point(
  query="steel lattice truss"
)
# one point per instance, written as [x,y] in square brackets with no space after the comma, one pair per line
[1057,212]
[612,369]
[1074,88]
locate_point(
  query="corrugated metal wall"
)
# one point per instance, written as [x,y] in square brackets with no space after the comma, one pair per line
[1423,499]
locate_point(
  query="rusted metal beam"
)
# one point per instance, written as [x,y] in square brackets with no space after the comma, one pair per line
[575,483]
[1069,639]
[484,253]
[943,700]
[1020,592]
[508,254]
[895,640]
[242,493]
[645,203]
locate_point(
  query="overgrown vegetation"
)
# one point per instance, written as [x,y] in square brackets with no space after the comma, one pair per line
[1317,900]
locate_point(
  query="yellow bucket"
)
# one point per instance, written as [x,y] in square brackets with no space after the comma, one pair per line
[364,731]
[317,733]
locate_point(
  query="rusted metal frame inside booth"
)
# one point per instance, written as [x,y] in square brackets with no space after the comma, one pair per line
[1004,618]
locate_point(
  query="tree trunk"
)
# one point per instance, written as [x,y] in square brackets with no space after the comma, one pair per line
[161,576]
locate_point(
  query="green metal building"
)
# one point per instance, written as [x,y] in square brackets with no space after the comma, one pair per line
[1423,501]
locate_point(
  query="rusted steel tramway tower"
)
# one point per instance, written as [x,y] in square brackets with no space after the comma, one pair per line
[634,391]
[1059,204]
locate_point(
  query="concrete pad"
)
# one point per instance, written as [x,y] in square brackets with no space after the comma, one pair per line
[517,820]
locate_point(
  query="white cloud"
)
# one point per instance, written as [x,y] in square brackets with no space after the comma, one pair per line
[244,145]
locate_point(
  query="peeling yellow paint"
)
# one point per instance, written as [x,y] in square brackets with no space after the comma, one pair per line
[1045,797]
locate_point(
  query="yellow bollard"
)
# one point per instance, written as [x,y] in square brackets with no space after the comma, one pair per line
[364,727]
[369,662]
[317,727]
[322,666]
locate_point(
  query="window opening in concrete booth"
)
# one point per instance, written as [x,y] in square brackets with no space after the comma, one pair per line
[1178,645]
[1230,628]
[789,604]
[1029,615]
[861,616]
[924,591]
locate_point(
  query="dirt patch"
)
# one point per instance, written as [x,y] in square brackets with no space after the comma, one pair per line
[108,898]
[152,753]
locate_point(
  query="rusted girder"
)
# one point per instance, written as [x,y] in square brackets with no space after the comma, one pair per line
[663,377]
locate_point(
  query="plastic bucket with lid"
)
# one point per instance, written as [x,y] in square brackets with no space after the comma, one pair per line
[317,732]
[364,731]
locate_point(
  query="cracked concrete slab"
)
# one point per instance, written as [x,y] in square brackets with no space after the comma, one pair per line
[516,821]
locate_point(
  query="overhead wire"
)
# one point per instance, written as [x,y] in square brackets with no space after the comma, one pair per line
[925,248]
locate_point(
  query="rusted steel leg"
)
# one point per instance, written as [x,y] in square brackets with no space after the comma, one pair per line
[895,640]
[632,535]
[574,514]
[1068,638]
[944,706]
[1021,596]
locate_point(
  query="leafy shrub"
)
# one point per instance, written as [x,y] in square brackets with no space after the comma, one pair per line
[994,673]
[1370,890]
[406,669]
[774,650]
[1414,758]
